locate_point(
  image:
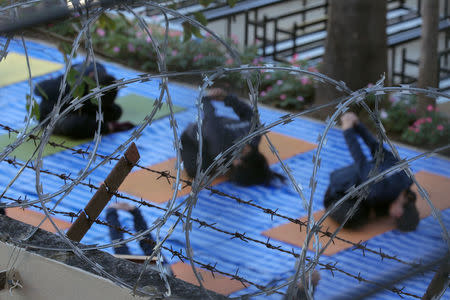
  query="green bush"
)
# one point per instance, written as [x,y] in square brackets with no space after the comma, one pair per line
[286,90]
[426,130]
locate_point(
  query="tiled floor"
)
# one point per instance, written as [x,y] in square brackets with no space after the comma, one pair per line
[253,261]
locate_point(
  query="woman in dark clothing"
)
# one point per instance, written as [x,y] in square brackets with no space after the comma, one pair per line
[82,123]
[390,196]
[112,218]
[219,133]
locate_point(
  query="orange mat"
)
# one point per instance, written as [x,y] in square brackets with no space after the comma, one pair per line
[33,218]
[438,188]
[146,185]
[217,283]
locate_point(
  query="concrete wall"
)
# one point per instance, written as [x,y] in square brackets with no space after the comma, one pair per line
[46,279]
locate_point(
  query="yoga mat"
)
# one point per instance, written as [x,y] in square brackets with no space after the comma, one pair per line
[134,107]
[150,186]
[34,218]
[438,188]
[14,68]
[216,283]
[27,148]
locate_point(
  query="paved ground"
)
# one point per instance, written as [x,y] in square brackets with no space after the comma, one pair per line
[254,262]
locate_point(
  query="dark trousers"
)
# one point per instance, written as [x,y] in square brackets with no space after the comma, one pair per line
[112,218]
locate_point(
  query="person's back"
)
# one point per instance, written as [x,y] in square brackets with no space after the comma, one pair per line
[81,123]
[220,133]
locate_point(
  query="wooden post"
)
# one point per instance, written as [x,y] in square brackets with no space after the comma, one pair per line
[103,194]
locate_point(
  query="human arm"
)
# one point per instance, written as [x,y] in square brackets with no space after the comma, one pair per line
[350,134]
[367,137]
[240,108]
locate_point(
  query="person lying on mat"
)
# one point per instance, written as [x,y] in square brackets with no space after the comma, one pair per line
[82,123]
[219,133]
[391,196]
[140,225]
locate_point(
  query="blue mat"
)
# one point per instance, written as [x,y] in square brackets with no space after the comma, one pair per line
[255,262]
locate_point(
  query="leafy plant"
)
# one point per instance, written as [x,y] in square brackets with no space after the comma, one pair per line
[287,90]
[432,129]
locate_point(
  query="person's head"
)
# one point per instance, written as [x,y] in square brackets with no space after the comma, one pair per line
[108,97]
[409,219]
[252,168]
[359,217]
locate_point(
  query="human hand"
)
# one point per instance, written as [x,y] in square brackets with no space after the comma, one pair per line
[397,207]
[119,126]
[217,94]
[123,206]
[349,120]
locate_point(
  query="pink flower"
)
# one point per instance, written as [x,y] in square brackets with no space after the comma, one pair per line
[131,48]
[430,107]
[269,88]
[198,57]
[283,96]
[234,39]
[429,120]
[300,98]
[305,80]
[279,82]
[419,122]
[268,76]
[263,94]
[148,39]
[229,61]
[116,49]
[393,99]
[139,34]
[174,33]
[416,130]
[313,69]
[294,58]
[412,110]
[370,85]
[100,32]
[255,61]
[440,127]
[174,52]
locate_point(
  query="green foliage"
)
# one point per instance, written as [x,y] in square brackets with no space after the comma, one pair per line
[401,114]
[287,91]
[34,107]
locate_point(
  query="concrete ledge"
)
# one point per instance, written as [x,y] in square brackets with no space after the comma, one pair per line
[11,231]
